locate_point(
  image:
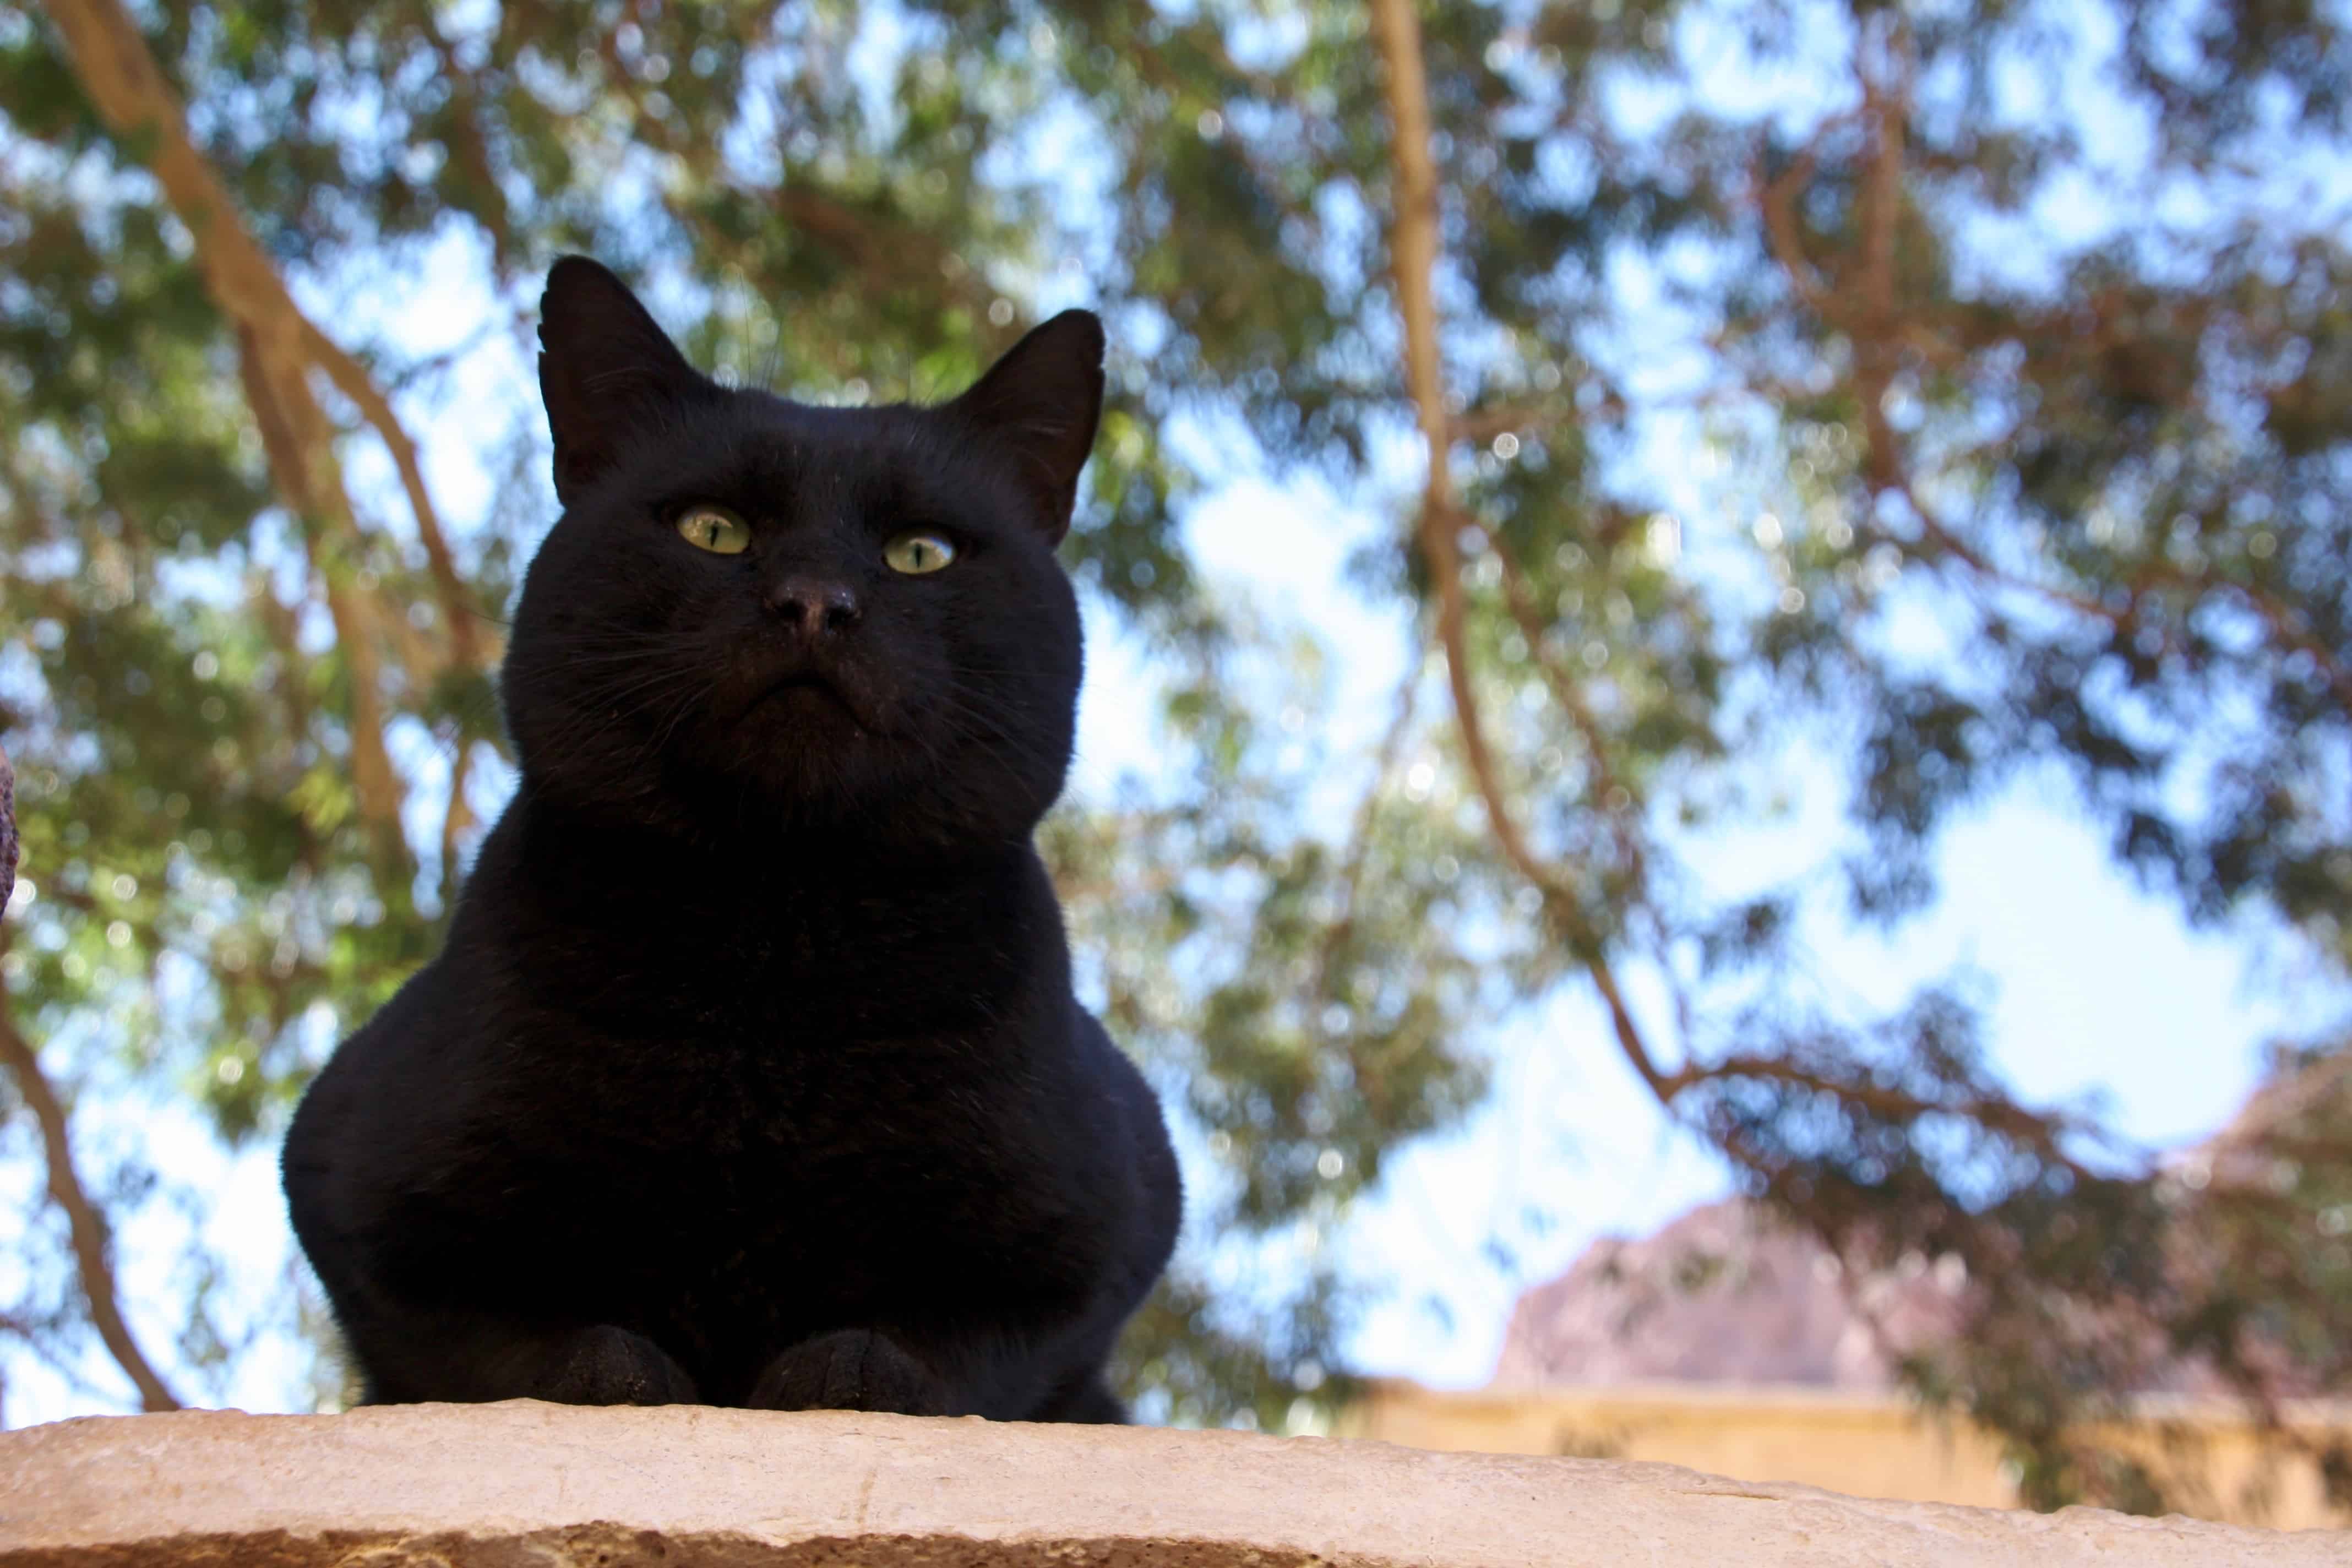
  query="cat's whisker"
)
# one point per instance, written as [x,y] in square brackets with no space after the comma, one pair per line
[961,700]
[1053,675]
[991,743]
[679,712]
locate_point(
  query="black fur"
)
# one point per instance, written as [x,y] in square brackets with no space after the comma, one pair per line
[750,1073]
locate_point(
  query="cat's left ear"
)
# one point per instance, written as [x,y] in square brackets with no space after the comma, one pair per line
[1041,403]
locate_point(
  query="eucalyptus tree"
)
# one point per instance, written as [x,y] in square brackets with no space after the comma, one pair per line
[2020,323]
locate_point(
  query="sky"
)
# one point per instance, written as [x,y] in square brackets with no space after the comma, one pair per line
[2093,986]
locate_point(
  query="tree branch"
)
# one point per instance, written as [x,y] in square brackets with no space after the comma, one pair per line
[1413,258]
[92,1247]
[1870,315]
[88,1227]
[1413,251]
[353,380]
[871,243]
[7,830]
[1521,602]
[112,62]
[1996,1114]
[2292,627]
[473,147]
[1872,326]
[1776,202]
[1482,425]
[295,439]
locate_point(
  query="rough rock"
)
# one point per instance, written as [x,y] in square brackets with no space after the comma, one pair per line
[1724,1294]
[1727,1294]
[451,1486]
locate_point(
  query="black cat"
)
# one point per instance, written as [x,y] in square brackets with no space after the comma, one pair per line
[750,1073]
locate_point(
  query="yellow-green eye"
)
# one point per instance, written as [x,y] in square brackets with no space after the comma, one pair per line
[714,529]
[915,553]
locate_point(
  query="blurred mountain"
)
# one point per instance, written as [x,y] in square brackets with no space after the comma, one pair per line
[1726,1293]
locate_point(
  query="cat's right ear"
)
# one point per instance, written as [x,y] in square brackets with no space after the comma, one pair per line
[605,367]
[1042,402]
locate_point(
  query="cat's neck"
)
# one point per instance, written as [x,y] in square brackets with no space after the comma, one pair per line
[592,859]
[635,929]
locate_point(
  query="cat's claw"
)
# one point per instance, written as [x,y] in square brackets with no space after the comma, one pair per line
[852,1369]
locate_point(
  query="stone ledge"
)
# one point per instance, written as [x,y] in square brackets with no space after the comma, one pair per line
[525,1483]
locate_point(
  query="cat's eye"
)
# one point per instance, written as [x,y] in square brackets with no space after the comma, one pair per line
[917,553]
[714,529]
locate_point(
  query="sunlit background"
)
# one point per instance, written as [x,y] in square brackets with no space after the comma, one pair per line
[1892,512]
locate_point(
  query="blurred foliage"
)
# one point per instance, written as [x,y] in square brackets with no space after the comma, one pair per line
[2002,502]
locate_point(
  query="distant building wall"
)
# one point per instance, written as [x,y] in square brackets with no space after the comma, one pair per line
[1867,1445]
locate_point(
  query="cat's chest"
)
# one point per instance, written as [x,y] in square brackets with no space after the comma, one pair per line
[785,1042]
[787,1061]
[724,1145]
[797,969]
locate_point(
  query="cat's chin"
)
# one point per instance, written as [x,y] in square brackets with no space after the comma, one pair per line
[808,703]
[802,755]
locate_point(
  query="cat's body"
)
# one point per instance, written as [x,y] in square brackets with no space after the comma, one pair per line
[750,1073]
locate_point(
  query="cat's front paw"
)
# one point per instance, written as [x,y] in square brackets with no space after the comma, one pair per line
[610,1365]
[852,1368]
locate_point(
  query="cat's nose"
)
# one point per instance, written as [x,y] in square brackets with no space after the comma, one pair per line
[814,606]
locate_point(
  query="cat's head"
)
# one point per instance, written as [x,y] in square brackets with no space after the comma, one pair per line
[757,615]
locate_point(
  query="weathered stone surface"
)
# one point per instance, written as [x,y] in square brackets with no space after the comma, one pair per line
[524,1483]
